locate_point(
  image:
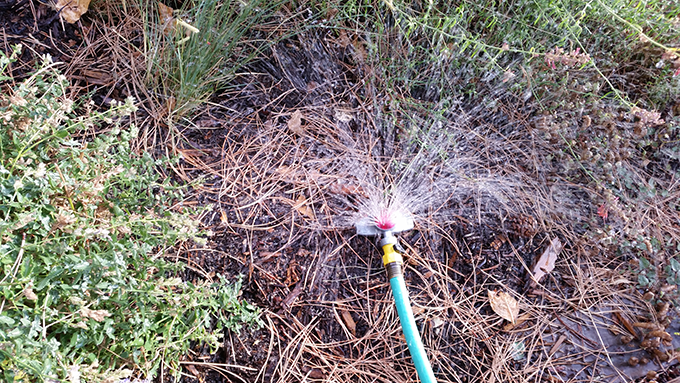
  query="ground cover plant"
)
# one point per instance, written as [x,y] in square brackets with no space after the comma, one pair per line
[87,289]
[535,142]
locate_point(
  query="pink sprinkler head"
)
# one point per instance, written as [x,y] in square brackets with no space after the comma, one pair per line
[384,220]
[387,220]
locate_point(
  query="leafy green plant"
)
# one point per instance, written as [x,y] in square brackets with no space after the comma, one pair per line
[86,289]
[646,273]
[673,272]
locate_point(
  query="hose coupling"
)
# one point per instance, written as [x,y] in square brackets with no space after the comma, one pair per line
[391,258]
[393,270]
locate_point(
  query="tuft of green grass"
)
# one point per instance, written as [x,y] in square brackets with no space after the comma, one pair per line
[86,289]
[201,48]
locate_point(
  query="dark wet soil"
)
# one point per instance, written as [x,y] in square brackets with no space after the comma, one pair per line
[38,29]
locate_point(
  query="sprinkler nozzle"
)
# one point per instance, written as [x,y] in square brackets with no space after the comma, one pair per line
[384,221]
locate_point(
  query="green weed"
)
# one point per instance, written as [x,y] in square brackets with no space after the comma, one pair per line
[86,289]
[647,275]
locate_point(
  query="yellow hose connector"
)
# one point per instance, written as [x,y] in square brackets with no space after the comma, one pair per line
[390,255]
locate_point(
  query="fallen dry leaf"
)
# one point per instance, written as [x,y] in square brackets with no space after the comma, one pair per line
[29,293]
[80,324]
[71,10]
[349,321]
[343,39]
[347,189]
[302,207]
[94,76]
[626,323]
[647,325]
[546,263]
[166,18]
[556,346]
[647,117]
[343,115]
[521,319]
[192,369]
[661,334]
[317,373]
[170,22]
[97,315]
[603,211]
[295,122]
[508,75]
[504,305]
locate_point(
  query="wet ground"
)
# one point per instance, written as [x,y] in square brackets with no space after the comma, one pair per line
[289,153]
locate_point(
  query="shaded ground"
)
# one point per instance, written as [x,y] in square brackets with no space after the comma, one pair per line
[490,178]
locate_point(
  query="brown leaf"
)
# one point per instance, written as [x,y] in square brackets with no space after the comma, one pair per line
[295,122]
[71,10]
[647,117]
[80,324]
[192,369]
[669,55]
[546,263]
[303,252]
[521,319]
[292,296]
[349,321]
[661,334]
[317,373]
[344,115]
[647,325]
[504,305]
[29,294]
[343,39]
[97,315]
[626,323]
[98,77]
[498,241]
[302,207]
[347,189]
[166,18]
[508,75]
[556,345]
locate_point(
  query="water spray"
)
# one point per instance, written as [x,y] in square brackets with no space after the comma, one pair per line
[385,224]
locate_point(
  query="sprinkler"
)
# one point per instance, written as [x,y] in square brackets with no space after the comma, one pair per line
[385,225]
